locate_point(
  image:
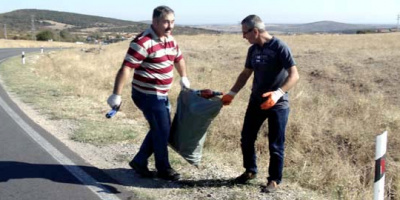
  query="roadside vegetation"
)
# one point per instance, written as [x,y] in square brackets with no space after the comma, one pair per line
[347,94]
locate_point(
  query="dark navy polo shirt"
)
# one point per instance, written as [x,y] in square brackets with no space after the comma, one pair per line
[270,64]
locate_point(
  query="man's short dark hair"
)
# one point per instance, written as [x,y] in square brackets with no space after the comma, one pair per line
[162,11]
[254,21]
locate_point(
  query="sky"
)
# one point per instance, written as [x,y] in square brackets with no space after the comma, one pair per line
[197,12]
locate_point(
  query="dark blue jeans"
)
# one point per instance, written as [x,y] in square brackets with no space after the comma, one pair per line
[156,109]
[277,120]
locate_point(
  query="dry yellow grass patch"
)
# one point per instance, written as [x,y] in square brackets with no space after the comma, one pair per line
[347,94]
[57,25]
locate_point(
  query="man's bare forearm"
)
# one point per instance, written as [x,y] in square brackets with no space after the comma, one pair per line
[122,76]
[181,67]
[241,80]
[291,80]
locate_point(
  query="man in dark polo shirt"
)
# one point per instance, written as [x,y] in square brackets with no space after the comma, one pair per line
[275,72]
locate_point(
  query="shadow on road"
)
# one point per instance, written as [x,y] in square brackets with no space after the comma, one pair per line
[127,177]
[57,173]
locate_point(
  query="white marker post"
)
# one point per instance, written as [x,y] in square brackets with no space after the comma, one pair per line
[41,50]
[380,151]
[23,58]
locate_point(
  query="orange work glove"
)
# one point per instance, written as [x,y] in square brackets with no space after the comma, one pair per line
[273,97]
[227,98]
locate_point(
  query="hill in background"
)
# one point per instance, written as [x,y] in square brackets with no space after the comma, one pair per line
[326,27]
[315,27]
[19,23]
[72,27]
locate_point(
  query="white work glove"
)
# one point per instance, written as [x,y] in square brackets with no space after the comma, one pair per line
[273,97]
[185,82]
[114,100]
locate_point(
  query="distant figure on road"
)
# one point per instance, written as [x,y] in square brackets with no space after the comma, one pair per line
[275,72]
[152,56]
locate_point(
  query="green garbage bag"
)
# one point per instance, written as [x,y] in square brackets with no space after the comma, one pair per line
[193,116]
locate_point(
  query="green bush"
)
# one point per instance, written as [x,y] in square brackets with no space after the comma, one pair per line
[45,35]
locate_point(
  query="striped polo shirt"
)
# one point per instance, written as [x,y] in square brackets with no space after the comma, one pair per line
[153,61]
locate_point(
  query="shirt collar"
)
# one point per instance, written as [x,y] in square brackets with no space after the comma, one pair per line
[155,36]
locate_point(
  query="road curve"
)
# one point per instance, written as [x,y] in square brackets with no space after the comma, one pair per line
[35,165]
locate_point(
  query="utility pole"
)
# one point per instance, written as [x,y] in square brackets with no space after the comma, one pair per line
[5,31]
[398,18]
[33,27]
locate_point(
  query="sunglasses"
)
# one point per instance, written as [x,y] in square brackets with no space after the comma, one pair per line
[248,31]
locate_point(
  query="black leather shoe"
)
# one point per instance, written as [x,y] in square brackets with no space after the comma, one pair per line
[271,187]
[169,174]
[142,171]
[245,177]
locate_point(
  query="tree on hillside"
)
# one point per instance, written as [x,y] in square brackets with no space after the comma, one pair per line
[45,35]
[66,36]
[97,35]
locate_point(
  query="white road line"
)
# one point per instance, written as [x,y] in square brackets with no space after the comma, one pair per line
[85,178]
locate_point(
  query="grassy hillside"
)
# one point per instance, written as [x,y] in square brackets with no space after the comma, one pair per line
[347,94]
[20,22]
[326,27]
[311,28]
[21,18]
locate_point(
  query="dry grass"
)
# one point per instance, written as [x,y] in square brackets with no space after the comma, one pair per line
[347,94]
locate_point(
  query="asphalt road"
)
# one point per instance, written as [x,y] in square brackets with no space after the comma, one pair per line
[35,165]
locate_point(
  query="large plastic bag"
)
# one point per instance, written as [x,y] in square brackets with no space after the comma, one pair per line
[189,127]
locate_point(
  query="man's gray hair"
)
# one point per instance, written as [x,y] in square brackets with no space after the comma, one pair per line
[254,21]
[161,12]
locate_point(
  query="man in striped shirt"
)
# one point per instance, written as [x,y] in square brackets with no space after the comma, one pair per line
[152,56]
